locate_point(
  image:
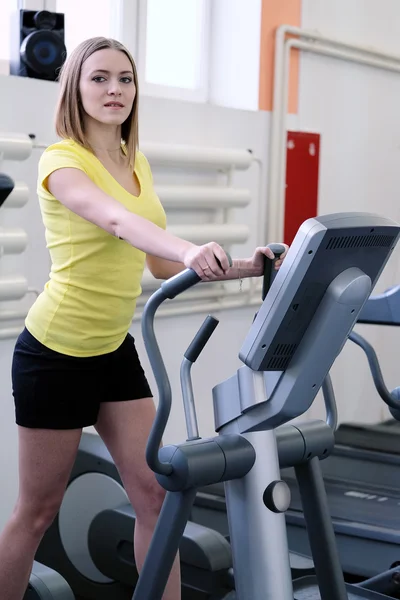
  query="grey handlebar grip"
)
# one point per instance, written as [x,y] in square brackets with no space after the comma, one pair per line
[278,250]
[179,283]
[201,338]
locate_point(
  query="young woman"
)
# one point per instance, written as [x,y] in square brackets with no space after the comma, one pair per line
[75,363]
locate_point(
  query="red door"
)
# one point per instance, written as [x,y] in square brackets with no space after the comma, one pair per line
[301,199]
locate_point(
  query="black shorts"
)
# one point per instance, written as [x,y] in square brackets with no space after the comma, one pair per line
[56,391]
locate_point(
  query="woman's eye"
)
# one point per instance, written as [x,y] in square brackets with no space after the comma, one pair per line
[100,79]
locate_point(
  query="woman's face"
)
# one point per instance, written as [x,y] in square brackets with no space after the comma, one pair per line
[107,86]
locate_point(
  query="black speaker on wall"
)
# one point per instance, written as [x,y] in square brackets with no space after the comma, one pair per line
[37,44]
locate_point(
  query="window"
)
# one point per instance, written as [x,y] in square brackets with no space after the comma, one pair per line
[89,18]
[173,48]
[8,7]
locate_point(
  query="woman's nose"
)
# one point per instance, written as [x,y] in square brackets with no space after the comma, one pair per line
[114,88]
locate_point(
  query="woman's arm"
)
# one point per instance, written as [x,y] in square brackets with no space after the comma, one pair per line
[240,269]
[161,268]
[76,191]
[164,269]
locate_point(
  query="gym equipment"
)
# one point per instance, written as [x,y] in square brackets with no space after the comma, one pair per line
[317,295]
[46,584]
[361,475]
[91,539]
[382,309]
[6,187]
[380,437]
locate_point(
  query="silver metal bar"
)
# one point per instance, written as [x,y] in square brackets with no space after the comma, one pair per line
[257,534]
[188,400]
[330,403]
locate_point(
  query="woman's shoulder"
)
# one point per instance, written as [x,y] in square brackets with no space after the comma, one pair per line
[63,153]
[66,152]
[142,163]
[67,146]
[60,145]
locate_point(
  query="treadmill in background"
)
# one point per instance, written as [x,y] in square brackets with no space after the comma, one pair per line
[383,309]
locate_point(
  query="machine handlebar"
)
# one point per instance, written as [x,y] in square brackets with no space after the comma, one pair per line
[201,338]
[390,398]
[168,290]
[278,250]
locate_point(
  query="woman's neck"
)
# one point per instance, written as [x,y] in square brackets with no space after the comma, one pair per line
[105,140]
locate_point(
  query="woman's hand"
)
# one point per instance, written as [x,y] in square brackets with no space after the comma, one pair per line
[257,260]
[203,260]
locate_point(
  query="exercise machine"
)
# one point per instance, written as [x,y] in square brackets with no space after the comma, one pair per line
[301,327]
[363,471]
[47,584]
[91,539]
[361,475]
[382,309]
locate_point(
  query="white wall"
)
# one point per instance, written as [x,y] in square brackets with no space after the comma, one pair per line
[364,22]
[355,108]
[4,67]
[235,53]
[161,121]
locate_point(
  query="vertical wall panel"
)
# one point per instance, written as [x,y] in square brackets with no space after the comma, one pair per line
[275,13]
[301,199]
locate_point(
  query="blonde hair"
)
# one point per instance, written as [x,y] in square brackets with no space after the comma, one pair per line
[69,121]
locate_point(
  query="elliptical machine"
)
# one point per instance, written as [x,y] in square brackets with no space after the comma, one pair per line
[305,319]
[361,475]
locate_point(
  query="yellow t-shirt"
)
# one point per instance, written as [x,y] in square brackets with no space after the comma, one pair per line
[86,307]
